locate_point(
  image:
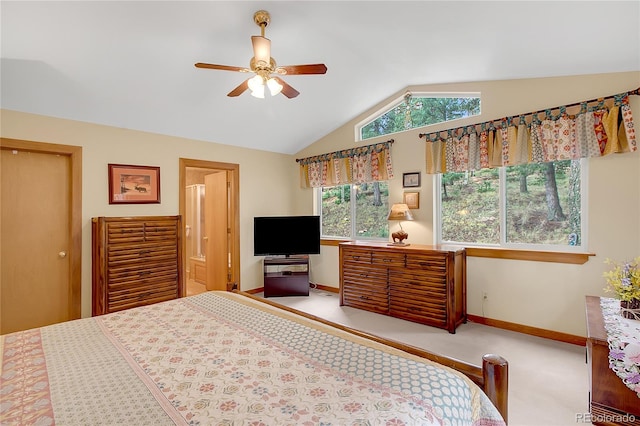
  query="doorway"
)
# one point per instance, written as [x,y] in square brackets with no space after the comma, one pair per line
[40,277]
[211,235]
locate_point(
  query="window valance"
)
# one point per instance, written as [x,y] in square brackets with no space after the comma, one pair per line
[368,163]
[599,127]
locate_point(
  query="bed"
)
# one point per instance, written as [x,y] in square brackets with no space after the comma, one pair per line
[224,358]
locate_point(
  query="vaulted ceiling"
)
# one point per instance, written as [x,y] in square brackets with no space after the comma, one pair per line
[130,64]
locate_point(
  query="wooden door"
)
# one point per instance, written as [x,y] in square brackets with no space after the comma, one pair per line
[216,210]
[36,279]
[193,171]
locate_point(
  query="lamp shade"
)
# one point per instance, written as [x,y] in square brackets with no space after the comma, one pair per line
[400,212]
[261,50]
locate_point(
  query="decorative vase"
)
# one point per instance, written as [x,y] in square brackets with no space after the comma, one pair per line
[630,309]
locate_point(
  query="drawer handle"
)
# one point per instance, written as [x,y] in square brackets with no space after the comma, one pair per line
[355,257]
[143,252]
[386,259]
[363,275]
[364,297]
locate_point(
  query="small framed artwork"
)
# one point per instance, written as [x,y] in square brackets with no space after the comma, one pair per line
[411,180]
[134,184]
[411,199]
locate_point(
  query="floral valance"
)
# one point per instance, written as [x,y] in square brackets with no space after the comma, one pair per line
[368,163]
[600,127]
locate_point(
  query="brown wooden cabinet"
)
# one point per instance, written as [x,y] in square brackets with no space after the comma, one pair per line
[611,402]
[135,261]
[425,284]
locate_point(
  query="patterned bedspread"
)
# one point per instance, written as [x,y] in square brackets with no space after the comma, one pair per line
[220,358]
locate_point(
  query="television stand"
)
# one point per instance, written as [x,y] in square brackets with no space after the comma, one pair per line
[286,276]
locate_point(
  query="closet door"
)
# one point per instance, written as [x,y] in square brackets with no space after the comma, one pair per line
[35,279]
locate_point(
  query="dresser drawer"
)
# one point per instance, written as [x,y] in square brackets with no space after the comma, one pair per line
[120,256]
[124,232]
[159,231]
[409,280]
[141,231]
[435,262]
[117,276]
[363,273]
[417,313]
[370,299]
[139,295]
[388,259]
[354,256]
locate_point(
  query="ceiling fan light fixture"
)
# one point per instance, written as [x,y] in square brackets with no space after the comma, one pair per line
[258,92]
[274,86]
[256,84]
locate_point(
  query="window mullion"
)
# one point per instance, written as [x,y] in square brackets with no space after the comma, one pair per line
[437,206]
[503,204]
[352,203]
[584,203]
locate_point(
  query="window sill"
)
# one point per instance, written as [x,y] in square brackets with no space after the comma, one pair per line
[333,242]
[503,253]
[532,255]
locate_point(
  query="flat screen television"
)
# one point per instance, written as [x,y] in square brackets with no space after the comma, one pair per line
[286,235]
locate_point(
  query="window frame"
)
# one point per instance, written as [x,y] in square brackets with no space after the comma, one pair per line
[395,102]
[503,244]
[352,217]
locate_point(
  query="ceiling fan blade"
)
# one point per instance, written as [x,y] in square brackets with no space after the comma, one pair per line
[240,89]
[302,69]
[261,49]
[222,67]
[287,90]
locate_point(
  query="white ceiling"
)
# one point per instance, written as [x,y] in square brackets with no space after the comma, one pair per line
[131,64]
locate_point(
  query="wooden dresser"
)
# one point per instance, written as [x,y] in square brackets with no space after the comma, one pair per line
[135,261]
[610,401]
[425,284]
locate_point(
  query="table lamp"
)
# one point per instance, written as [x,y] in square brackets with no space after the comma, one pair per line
[399,212]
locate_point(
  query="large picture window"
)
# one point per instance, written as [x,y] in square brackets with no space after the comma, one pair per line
[357,211]
[537,205]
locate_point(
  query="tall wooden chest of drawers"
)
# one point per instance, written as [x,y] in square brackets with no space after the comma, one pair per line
[136,261]
[425,284]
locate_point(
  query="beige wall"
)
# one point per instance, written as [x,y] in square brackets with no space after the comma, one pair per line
[537,294]
[545,295]
[267,180]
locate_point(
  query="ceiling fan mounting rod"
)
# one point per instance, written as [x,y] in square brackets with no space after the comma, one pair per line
[262,19]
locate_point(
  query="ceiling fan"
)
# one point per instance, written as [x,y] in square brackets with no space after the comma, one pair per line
[264,66]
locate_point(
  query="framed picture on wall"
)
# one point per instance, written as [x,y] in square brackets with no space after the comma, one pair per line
[411,199]
[411,180]
[134,184]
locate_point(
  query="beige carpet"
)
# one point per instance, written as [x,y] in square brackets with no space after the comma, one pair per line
[548,380]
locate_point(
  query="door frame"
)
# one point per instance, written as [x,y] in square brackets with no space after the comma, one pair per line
[75,211]
[233,174]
